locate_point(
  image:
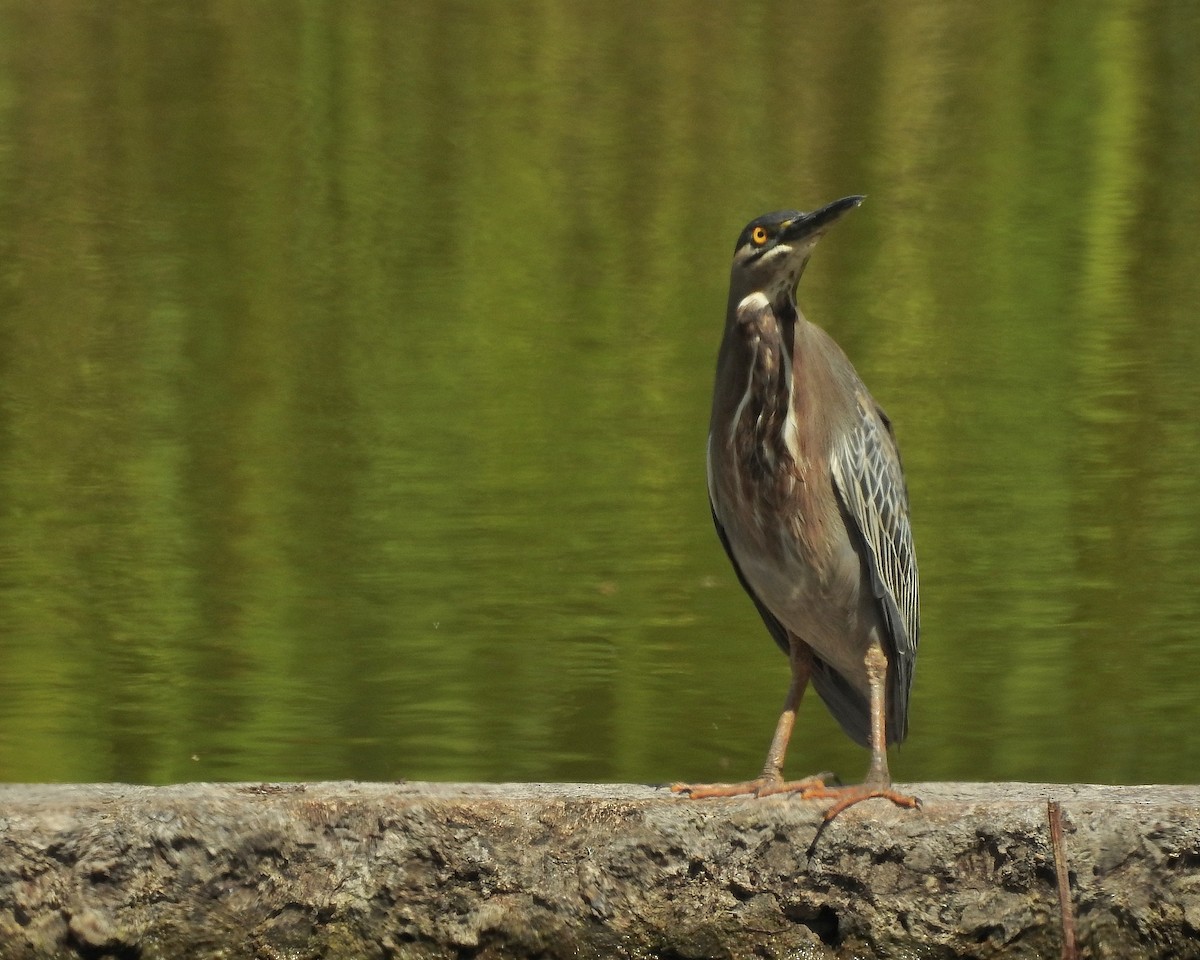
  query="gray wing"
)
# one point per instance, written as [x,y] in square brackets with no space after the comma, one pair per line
[869,480]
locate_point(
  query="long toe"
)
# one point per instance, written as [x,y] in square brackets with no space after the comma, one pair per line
[758,787]
[845,797]
[815,783]
[704,791]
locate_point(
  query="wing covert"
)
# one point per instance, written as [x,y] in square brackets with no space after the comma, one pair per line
[869,481]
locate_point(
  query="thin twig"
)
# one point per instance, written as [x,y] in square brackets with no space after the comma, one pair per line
[1062,870]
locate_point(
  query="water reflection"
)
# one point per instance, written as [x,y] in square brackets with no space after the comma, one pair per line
[354,373]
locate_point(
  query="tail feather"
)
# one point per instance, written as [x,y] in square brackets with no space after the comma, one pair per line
[851,709]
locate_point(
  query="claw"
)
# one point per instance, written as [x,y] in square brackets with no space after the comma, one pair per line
[810,788]
[846,797]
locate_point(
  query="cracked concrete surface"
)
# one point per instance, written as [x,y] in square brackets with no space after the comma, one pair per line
[424,870]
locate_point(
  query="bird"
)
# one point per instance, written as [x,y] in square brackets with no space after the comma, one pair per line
[810,502]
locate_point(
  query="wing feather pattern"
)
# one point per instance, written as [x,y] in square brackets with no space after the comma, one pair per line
[870,483]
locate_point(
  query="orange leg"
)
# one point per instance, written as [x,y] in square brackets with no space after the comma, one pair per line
[771,781]
[878,782]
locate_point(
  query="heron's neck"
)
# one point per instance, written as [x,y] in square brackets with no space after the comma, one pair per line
[761,423]
[773,338]
[787,314]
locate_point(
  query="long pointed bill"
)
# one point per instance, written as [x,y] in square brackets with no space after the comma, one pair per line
[809,224]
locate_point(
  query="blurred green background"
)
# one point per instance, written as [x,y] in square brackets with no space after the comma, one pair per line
[355,363]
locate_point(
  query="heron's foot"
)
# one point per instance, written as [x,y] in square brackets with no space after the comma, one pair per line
[846,797]
[764,786]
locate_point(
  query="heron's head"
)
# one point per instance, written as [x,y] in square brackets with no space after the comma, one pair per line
[771,252]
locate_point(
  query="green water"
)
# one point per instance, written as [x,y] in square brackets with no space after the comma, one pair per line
[355,364]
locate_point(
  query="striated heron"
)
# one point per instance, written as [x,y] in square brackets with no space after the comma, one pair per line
[809,501]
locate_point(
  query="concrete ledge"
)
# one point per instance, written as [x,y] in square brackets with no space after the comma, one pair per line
[419,870]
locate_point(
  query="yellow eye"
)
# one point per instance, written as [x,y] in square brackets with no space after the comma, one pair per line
[758,236]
